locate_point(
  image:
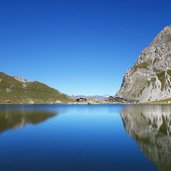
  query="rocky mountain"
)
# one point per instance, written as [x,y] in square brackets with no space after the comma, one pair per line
[151,128]
[15,90]
[149,80]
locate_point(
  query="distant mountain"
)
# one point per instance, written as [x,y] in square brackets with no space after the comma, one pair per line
[96,97]
[149,80]
[15,90]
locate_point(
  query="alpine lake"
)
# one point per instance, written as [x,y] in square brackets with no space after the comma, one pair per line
[85,137]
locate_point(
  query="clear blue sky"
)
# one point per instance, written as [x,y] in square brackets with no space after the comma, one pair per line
[77,46]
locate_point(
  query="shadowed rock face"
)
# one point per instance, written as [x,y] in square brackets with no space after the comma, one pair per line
[150,126]
[10,119]
[150,78]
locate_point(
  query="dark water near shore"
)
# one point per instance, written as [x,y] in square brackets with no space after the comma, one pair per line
[85,138]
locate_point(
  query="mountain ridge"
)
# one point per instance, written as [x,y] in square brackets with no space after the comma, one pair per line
[15,90]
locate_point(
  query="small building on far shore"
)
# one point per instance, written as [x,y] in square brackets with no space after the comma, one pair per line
[81,100]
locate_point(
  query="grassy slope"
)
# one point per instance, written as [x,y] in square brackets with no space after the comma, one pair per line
[163,101]
[16,92]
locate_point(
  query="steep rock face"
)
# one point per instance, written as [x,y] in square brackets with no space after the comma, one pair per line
[151,128]
[150,78]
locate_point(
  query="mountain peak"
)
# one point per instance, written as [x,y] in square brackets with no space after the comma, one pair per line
[150,78]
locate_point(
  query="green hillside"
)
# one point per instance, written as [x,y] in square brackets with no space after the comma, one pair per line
[18,91]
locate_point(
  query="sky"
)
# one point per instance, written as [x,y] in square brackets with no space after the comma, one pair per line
[80,47]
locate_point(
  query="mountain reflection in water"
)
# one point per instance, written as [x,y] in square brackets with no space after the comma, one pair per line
[13,119]
[150,126]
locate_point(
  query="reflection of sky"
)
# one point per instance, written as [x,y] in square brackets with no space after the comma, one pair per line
[84,136]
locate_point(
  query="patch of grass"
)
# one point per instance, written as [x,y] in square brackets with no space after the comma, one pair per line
[161,77]
[168,38]
[143,65]
[169,72]
[163,101]
[169,27]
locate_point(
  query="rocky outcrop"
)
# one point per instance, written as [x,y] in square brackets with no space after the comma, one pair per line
[119,100]
[151,128]
[150,78]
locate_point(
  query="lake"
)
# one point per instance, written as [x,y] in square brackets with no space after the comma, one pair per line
[85,137]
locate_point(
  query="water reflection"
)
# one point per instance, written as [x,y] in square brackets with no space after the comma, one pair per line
[150,126]
[13,119]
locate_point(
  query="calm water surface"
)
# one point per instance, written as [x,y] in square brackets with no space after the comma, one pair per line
[85,138]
